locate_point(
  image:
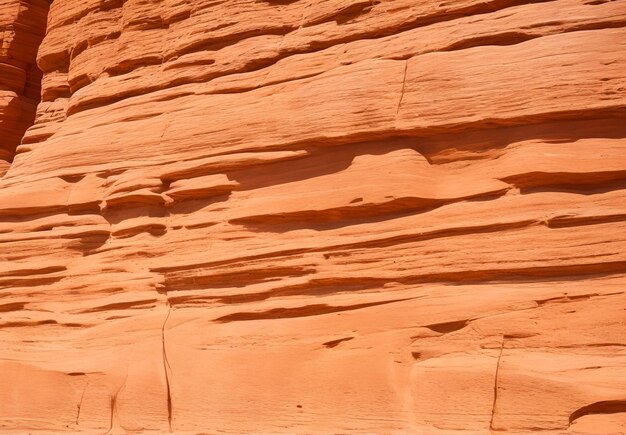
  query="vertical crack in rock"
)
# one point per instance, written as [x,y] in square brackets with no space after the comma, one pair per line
[406,67]
[166,367]
[80,403]
[495,386]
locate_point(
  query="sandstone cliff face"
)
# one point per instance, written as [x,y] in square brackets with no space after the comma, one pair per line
[298,216]
[22,26]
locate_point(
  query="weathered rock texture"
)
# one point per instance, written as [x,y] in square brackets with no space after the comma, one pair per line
[22,27]
[315,216]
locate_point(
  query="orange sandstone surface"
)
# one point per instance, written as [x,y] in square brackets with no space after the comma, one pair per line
[313,216]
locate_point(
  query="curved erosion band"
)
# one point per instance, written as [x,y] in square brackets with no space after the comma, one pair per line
[315,216]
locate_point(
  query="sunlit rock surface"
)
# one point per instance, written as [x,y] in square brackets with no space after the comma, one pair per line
[313,216]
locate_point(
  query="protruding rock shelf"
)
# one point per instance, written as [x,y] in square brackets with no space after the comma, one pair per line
[313,216]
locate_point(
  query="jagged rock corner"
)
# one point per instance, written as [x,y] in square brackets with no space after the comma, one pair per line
[313,216]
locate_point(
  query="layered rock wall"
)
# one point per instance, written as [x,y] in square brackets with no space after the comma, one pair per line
[319,217]
[22,27]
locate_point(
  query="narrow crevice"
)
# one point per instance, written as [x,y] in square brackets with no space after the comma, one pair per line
[495,386]
[80,403]
[166,369]
[406,67]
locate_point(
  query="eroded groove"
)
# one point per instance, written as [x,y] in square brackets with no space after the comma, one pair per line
[334,343]
[29,282]
[506,38]
[13,306]
[576,221]
[221,42]
[314,287]
[305,311]
[130,305]
[568,299]
[447,327]
[583,183]
[572,271]
[602,407]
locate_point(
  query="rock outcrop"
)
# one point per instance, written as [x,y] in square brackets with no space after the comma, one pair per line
[22,27]
[299,216]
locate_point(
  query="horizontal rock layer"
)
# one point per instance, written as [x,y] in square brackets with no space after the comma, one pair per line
[317,217]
